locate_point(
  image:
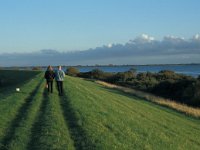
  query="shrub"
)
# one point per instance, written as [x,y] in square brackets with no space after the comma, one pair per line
[72,71]
[166,83]
[97,74]
[195,98]
[198,78]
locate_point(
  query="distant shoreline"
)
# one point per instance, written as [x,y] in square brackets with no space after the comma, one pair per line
[132,65]
[108,65]
[192,69]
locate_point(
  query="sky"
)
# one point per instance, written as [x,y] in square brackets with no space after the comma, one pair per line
[64,25]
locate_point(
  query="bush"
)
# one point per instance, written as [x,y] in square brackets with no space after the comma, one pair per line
[72,71]
[181,88]
[198,78]
[195,96]
[100,75]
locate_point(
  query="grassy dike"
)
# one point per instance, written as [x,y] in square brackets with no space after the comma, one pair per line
[183,108]
[90,116]
[112,119]
[34,122]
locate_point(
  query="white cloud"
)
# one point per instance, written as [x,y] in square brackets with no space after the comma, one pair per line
[143,47]
[196,37]
[144,38]
[173,39]
[147,37]
[110,45]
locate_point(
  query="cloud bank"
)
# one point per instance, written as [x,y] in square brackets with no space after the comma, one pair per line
[144,49]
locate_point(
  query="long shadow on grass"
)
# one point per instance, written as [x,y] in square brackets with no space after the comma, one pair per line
[78,134]
[20,115]
[37,126]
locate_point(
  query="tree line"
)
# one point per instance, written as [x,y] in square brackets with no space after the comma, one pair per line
[168,84]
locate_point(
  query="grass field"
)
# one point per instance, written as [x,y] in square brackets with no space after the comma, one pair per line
[11,79]
[90,116]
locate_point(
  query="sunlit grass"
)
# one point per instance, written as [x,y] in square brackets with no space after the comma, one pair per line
[90,116]
[195,112]
[12,107]
[115,120]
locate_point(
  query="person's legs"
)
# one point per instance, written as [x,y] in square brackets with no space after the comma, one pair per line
[48,83]
[59,88]
[51,86]
[57,85]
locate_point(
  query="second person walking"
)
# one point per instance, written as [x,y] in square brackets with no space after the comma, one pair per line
[59,76]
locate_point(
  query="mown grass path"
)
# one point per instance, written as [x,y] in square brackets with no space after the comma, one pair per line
[22,121]
[13,107]
[90,116]
[38,123]
[50,130]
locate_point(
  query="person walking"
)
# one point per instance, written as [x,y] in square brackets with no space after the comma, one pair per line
[59,76]
[49,76]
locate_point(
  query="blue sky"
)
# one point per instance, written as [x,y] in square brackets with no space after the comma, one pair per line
[32,25]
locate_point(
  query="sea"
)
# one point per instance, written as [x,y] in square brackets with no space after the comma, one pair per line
[189,69]
[186,69]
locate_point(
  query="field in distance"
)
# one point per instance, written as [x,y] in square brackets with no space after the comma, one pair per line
[88,116]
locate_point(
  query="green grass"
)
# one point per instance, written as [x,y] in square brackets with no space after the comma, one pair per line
[50,129]
[35,121]
[15,77]
[114,120]
[11,79]
[21,127]
[13,107]
[90,116]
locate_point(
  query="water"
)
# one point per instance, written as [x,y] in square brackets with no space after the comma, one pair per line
[192,70]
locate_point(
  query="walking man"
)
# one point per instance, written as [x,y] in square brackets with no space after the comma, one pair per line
[59,79]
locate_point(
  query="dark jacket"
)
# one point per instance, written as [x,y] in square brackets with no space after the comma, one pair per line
[49,75]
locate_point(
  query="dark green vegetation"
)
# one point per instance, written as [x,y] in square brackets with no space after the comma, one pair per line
[168,84]
[72,71]
[11,79]
[14,77]
[90,116]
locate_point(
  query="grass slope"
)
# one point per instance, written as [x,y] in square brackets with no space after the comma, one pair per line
[33,119]
[90,116]
[11,79]
[14,107]
[114,120]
